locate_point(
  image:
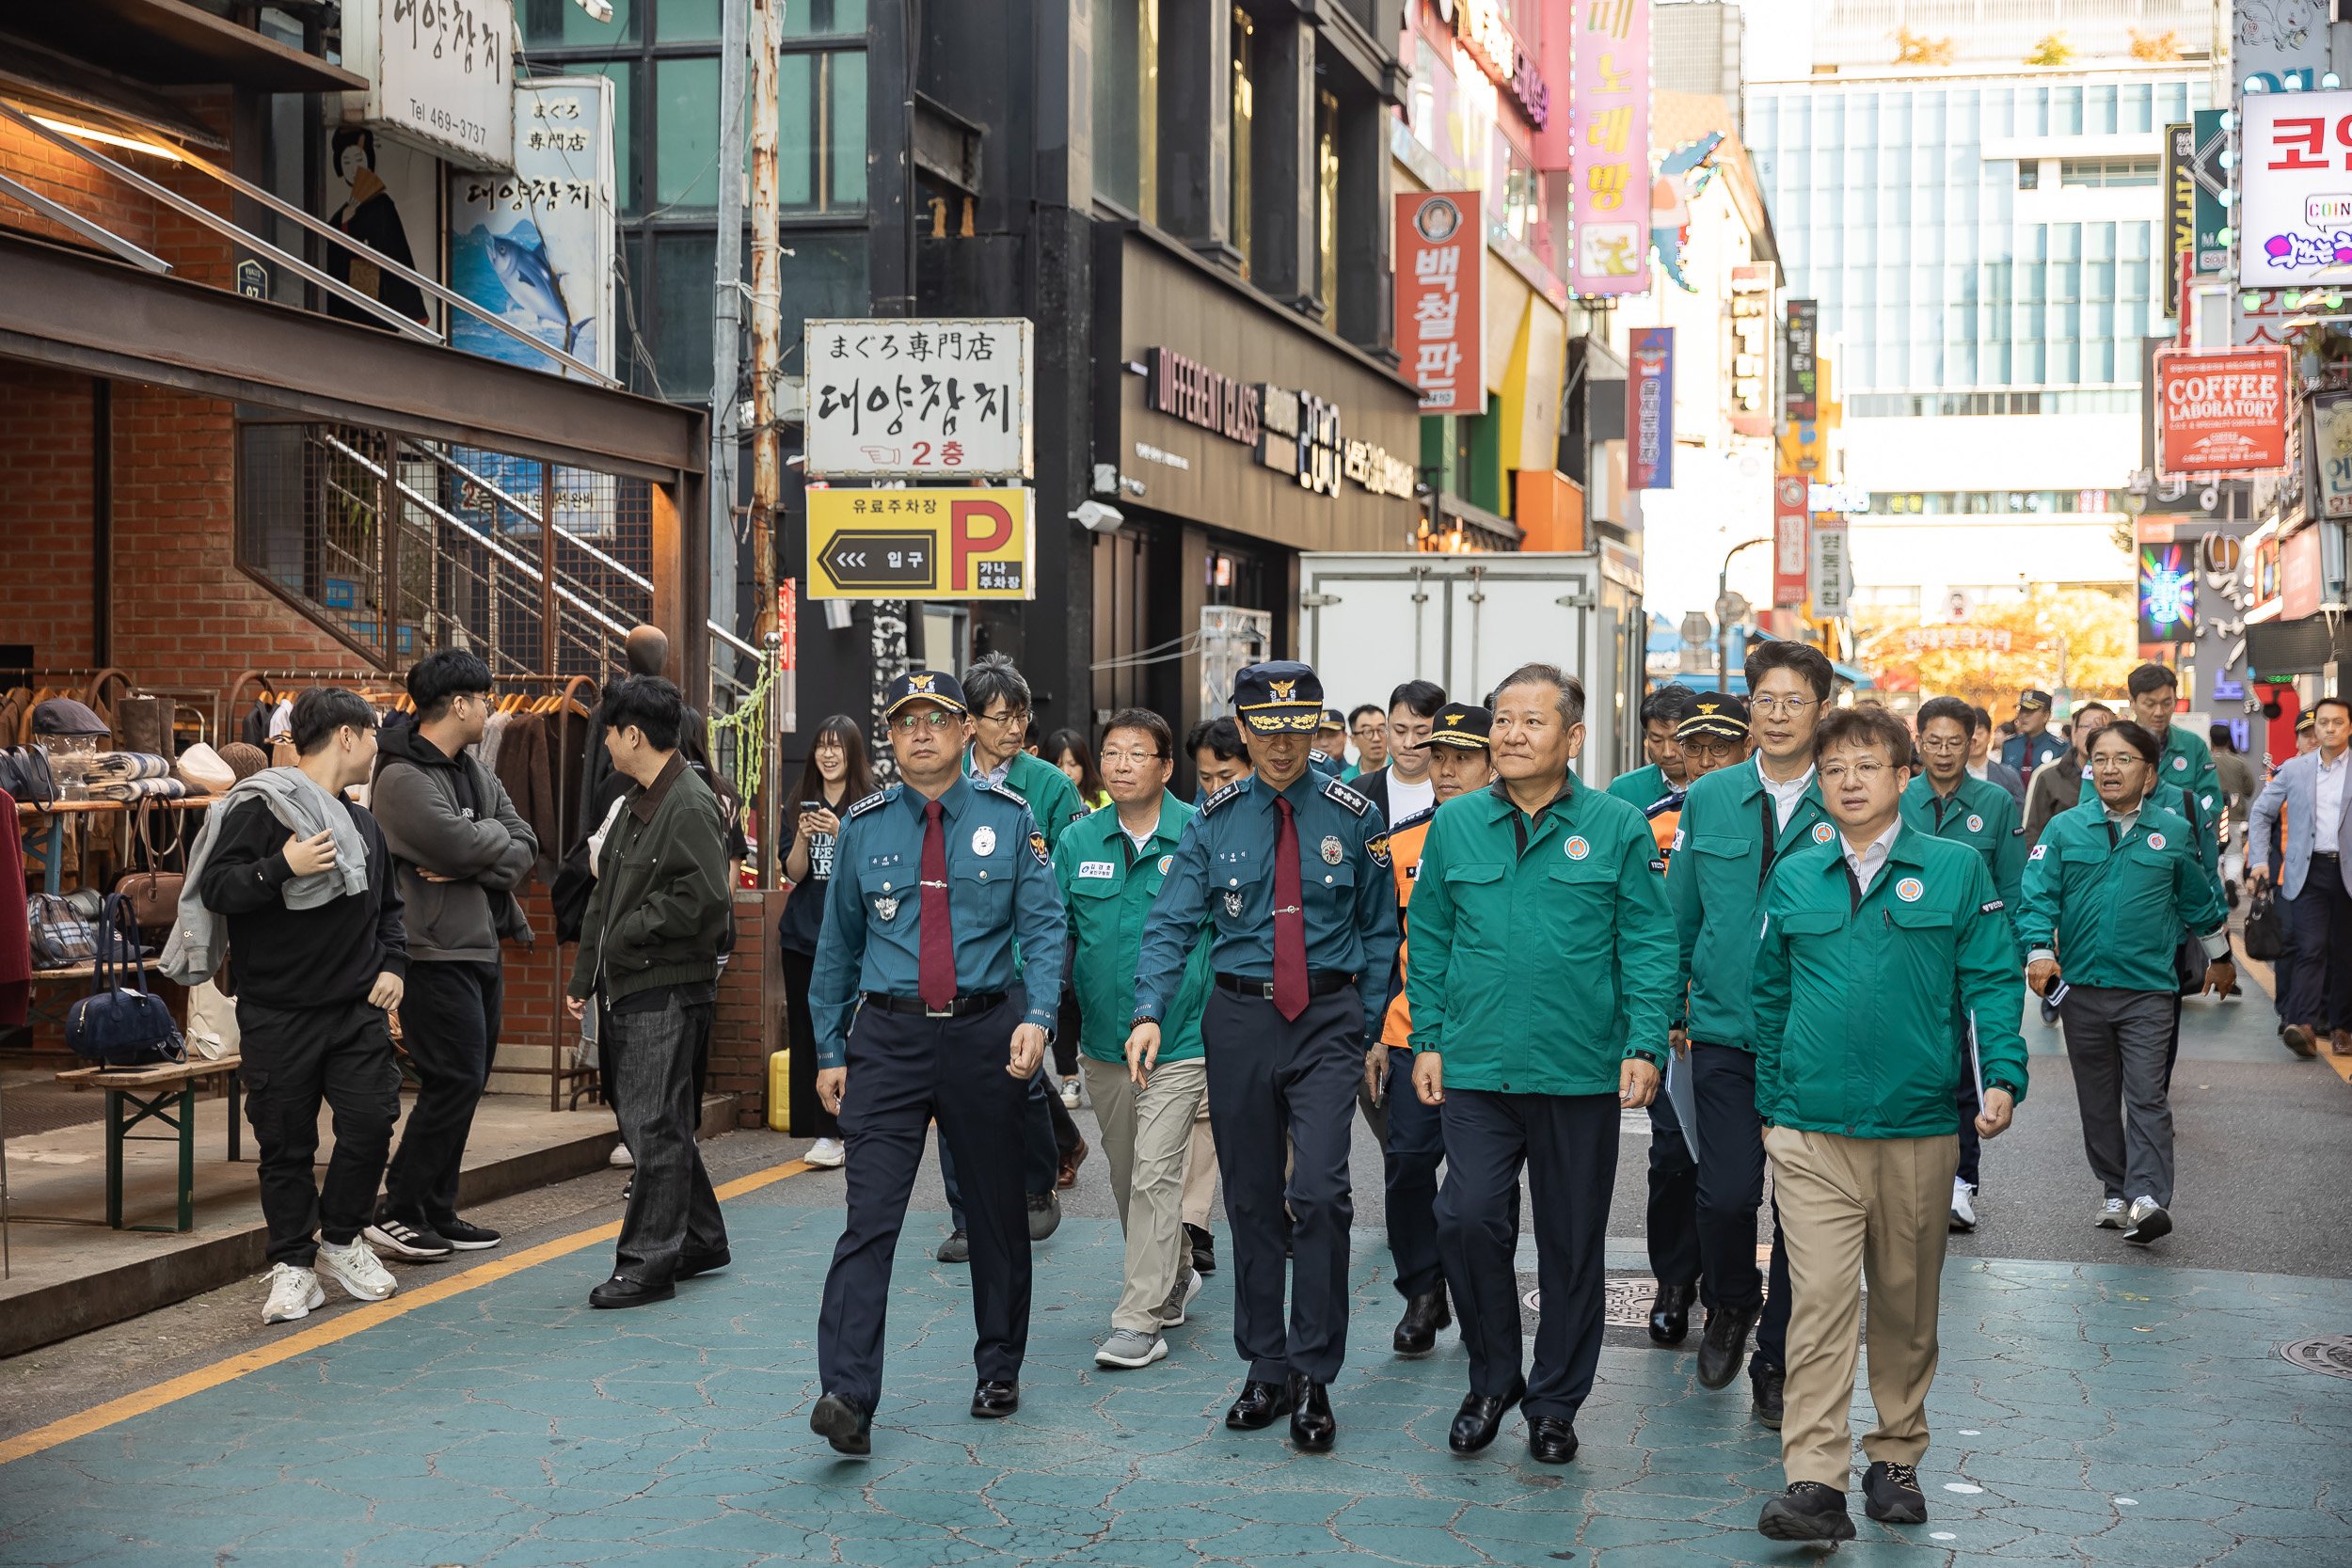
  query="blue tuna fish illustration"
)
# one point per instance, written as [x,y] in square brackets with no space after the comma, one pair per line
[530,282]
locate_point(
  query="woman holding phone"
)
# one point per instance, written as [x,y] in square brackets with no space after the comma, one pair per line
[836,777]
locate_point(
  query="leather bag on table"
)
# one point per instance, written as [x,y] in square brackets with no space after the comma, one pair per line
[114,1025]
[143,724]
[152,895]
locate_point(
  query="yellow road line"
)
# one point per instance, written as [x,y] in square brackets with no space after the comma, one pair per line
[303,1341]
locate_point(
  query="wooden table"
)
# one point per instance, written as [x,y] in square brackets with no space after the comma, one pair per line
[150,1091]
[30,816]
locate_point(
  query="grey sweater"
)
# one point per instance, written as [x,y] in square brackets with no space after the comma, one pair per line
[451,815]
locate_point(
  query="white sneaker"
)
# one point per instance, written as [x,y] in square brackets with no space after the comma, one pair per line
[1180,1298]
[620,1156]
[1964,1213]
[293,1292]
[2110,1216]
[828,1152]
[2145,1221]
[1070,1094]
[356,1270]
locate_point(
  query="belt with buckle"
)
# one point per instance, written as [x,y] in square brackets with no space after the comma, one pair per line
[978,1003]
[1323,982]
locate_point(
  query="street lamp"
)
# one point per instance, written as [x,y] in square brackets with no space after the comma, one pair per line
[1723,622]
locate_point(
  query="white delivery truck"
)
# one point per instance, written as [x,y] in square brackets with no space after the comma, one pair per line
[1370,621]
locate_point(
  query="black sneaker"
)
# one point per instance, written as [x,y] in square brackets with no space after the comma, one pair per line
[402,1240]
[465,1237]
[1891,1494]
[1806,1512]
[957,1248]
[1044,1215]
[1203,1248]
[1766,1384]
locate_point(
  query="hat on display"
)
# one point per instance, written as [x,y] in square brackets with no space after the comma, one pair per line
[1462,725]
[64,716]
[1277,696]
[926,685]
[1715,714]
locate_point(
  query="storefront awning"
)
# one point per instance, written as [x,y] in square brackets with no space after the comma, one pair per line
[61,307]
[170,43]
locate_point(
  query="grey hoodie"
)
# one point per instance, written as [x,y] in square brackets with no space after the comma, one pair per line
[451,815]
[193,952]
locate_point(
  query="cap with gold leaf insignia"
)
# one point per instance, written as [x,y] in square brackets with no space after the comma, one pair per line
[1332,719]
[1715,714]
[1279,695]
[1460,724]
[926,685]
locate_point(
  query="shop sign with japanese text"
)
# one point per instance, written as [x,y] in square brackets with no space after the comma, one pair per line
[438,73]
[943,544]
[907,398]
[2295,178]
[1609,147]
[1649,408]
[2330,446]
[2222,412]
[536,247]
[1441,299]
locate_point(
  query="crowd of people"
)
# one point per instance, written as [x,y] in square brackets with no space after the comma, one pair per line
[1799,939]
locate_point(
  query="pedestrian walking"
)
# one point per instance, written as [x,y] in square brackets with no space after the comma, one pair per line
[2107,893]
[1737,824]
[922,1014]
[1369,724]
[2033,744]
[1662,713]
[1714,736]
[2058,783]
[1401,788]
[649,961]
[1879,948]
[1068,751]
[1412,1135]
[835,775]
[1331,749]
[2308,792]
[1219,757]
[460,850]
[1983,764]
[2184,761]
[2235,777]
[297,881]
[1945,802]
[1301,953]
[1110,866]
[1532,881]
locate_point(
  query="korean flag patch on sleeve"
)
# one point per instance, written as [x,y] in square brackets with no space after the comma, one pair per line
[2039,850]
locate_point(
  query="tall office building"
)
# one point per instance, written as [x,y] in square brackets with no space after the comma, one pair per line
[1984,237]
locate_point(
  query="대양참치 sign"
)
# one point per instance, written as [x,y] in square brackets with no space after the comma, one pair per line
[946,397]
[438,72]
[942,543]
[536,247]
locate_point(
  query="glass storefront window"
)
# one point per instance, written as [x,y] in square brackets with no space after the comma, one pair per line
[562,24]
[680,309]
[689,20]
[1126,103]
[686,132]
[1244,105]
[818,19]
[820,130]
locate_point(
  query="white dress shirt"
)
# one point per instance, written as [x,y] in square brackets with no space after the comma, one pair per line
[1867,865]
[2330,808]
[1784,796]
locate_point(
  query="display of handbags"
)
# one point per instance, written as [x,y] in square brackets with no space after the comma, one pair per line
[115,1025]
[152,895]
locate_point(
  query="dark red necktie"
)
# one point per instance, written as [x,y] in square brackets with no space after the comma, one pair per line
[937,977]
[1290,921]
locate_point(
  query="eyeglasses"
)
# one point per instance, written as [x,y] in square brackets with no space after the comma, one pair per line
[1861,772]
[2111,762]
[1133,759]
[1780,707]
[1944,743]
[933,722]
[1010,716]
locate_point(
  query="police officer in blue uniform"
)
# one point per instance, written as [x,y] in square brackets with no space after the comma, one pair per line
[2033,744]
[1292,869]
[921,1013]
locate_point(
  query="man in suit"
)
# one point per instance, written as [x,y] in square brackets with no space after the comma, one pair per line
[2313,876]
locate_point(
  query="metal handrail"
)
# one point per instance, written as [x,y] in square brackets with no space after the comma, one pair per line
[83,227]
[504,499]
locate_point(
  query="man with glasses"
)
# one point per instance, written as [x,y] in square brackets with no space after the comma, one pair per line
[1949,803]
[1110,868]
[1370,727]
[1737,823]
[922,1013]
[1290,871]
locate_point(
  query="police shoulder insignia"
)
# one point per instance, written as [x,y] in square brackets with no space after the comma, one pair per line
[1223,795]
[1037,847]
[1349,798]
[1005,791]
[1377,848]
[872,801]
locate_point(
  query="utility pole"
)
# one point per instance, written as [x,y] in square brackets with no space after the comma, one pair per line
[1723,622]
[767,285]
[725,334]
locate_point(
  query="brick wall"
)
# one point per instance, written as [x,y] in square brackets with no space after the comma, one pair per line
[45,511]
[195,251]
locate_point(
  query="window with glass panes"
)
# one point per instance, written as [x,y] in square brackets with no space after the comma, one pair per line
[663,58]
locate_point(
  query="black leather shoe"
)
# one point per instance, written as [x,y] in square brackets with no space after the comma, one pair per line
[1550,1440]
[1312,1425]
[1725,1341]
[1424,1314]
[1479,1420]
[1203,1249]
[693,1263]
[1670,1313]
[617,1291]
[1767,1382]
[993,1400]
[1260,1405]
[1806,1512]
[1891,1495]
[843,1422]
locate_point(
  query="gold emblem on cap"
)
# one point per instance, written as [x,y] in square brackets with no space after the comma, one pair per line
[918,682]
[1281,690]
[1452,718]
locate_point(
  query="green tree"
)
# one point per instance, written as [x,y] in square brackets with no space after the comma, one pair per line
[2052,50]
[2096,629]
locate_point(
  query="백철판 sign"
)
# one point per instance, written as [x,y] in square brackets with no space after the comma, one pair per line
[1440,301]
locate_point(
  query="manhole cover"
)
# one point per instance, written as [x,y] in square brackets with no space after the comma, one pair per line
[1628,1300]
[2329,1353]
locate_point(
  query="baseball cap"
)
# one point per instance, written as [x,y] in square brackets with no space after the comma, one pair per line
[1716,715]
[926,685]
[1460,724]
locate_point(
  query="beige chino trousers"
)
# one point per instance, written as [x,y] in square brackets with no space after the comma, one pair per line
[1146,1136]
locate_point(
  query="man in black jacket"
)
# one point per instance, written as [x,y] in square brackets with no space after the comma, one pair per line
[317,955]
[461,849]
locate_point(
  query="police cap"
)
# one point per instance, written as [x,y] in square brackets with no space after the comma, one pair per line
[1715,714]
[1332,719]
[1460,724]
[1279,695]
[2033,701]
[926,685]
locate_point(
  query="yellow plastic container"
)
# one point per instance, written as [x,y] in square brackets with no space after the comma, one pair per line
[779,1091]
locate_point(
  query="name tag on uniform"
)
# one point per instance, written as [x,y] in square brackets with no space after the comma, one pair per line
[1103,869]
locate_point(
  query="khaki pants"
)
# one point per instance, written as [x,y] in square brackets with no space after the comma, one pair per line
[1147,1135]
[1200,1168]
[1853,1209]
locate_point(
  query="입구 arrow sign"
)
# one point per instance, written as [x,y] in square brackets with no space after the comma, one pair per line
[880,560]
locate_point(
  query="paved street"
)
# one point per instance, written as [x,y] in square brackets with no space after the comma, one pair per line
[2097,1404]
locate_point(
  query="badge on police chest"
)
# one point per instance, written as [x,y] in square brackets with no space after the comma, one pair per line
[1333,850]
[886,907]
[983,841]
[1232,902]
